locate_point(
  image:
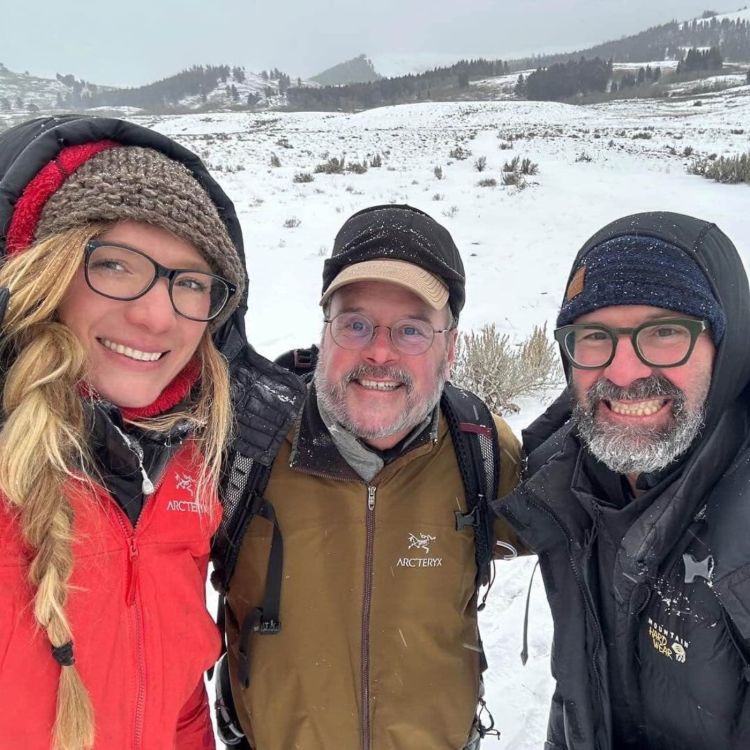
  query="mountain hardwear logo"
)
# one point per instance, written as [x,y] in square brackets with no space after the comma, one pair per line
[421,542]
[667,642]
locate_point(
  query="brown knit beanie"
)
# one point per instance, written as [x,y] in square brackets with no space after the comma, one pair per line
[142,184]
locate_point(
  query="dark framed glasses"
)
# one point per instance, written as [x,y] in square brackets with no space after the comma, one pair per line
[661,343]
[351,330]
[124,273]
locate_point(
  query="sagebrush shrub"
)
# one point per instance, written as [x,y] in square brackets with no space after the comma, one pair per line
[332,166]
[500,372]
[514,178]
[512,165]
[480,163]
[459,153]
[729,169]
[529,167]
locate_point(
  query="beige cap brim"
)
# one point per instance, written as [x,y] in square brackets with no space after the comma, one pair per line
[425,285]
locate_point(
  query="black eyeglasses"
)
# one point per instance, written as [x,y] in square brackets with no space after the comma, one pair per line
[410,336]
[124,273]
[661,343]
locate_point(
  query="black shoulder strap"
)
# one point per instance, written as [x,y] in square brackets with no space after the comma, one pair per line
[266,400]
[475,441]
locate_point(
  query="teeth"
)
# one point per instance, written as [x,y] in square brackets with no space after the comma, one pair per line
[639,409]
[377,385]
[131,353]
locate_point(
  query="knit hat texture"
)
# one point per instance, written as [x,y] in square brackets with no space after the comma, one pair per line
[638,270]
[142,184]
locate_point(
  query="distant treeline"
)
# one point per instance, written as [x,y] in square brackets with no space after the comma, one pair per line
[565,80]
[398,90]
[574,78]
[665,42]
[698,60]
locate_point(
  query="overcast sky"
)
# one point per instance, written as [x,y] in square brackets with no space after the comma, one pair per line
[138,41]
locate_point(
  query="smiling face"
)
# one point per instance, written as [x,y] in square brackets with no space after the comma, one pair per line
[633,417]
[378,393]
[135,348]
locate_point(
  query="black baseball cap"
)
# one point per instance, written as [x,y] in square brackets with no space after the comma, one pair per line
[404,235]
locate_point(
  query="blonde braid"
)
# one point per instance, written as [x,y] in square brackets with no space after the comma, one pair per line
[40,446]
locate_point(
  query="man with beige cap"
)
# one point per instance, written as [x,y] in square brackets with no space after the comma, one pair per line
[363,632]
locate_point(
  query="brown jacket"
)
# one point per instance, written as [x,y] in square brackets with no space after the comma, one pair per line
[379,647]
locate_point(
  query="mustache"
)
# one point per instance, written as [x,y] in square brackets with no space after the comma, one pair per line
[379,372]
[654,386]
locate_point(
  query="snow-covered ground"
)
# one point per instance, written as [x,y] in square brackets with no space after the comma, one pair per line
[596,163]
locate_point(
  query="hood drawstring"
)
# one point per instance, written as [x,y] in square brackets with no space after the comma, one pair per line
[147,486]
[525,649]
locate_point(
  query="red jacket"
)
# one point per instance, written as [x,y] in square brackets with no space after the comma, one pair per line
[136,604]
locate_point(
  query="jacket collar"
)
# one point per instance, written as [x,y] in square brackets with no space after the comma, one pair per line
[316,451]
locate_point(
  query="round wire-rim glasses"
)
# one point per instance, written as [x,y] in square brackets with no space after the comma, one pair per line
[409,336]
[668,342]
[199,285]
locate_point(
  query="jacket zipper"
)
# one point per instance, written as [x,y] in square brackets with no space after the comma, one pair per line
[133,603]
[366,605]
[131,595]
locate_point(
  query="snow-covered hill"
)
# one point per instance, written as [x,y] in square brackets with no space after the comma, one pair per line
[738,15]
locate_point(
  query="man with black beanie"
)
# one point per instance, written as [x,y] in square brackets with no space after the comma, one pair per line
[374,643]
[637,496]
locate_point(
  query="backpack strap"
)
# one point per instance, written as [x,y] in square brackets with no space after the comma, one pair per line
[476,445]
[266,399]
[475,441]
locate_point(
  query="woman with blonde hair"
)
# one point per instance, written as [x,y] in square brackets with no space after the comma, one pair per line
[122,275]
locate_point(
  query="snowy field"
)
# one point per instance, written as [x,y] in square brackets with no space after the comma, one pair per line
[596,163]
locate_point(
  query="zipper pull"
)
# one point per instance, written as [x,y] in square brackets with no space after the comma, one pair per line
[147,486]
[133,581]
[371,497]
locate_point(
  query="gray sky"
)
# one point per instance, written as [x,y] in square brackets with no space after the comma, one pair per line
[138,41]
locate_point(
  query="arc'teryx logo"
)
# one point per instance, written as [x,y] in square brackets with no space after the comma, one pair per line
[185,505]
[184,481]
[421,542]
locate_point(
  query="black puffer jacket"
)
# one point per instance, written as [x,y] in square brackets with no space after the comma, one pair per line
[681,578]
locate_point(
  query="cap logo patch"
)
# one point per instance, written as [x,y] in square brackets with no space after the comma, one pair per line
[576,284]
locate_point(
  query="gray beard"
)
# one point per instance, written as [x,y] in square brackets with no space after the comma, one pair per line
[332,397]
[638,450]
